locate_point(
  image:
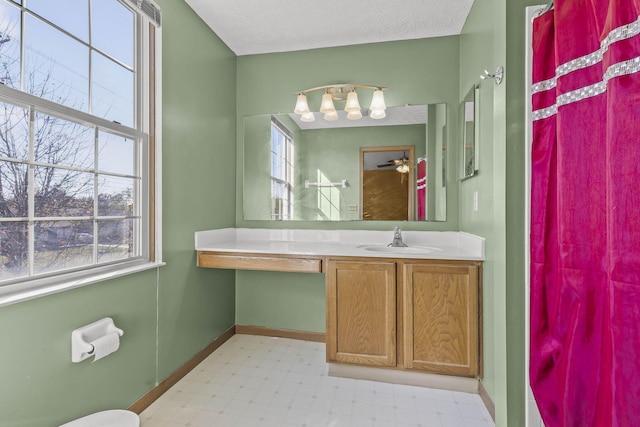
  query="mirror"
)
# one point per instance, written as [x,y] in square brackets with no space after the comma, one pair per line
[469,114]
[313,171]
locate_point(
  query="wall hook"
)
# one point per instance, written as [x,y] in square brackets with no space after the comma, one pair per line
[497,76]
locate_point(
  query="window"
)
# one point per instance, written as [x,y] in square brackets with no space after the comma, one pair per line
[77,136]
[281,171]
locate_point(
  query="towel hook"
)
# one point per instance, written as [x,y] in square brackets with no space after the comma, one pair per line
[497,76]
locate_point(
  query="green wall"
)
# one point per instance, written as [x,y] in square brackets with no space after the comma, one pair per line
[416,72]
[40,384]
[195,305]
[281,300]
[178,309]
[482,47]
[494,35]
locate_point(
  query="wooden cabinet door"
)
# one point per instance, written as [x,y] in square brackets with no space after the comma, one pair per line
[441,324]
[361,312]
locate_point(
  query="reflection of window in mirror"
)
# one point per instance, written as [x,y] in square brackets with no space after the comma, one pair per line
[281,171]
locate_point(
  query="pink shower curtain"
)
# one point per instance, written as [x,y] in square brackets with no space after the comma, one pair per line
[421,188]
[585,214]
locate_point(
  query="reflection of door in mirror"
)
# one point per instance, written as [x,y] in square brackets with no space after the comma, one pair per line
[387,183]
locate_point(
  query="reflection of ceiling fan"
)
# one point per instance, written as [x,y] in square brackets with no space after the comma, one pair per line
[401,164]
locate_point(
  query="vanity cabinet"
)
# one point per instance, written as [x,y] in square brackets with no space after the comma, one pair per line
[421,315]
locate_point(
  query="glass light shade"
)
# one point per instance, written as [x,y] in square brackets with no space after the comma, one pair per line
[307,117]
[377,114]
[354,115]
[352,102]
[301,104]
[403,168]
[331,116]
[327,104]
[377,102]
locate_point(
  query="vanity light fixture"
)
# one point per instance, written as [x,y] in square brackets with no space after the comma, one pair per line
[341,92]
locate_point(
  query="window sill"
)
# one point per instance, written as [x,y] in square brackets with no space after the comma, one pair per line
[31,289]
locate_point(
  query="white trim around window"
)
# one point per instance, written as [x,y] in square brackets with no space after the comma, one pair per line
[149,255]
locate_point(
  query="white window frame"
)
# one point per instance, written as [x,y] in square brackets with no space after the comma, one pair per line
[287,160]
[26,288]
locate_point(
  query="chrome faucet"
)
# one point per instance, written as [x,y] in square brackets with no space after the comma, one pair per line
[397,239]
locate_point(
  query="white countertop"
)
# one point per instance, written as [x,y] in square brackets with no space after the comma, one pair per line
[448,245]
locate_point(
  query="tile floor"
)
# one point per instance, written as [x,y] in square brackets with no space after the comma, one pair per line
[262,381]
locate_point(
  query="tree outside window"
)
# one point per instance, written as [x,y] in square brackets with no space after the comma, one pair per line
[70,186]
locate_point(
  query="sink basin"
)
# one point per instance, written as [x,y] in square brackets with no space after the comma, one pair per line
[400,249]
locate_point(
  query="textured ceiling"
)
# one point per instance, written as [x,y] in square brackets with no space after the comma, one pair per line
[259,26]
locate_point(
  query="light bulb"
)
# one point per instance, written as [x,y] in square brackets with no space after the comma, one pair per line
[307,117]
[354,115]
[327,104]
[301,104]
[331,116]
[352,102]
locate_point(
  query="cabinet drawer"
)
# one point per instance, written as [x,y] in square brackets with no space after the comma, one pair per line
[262,262]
